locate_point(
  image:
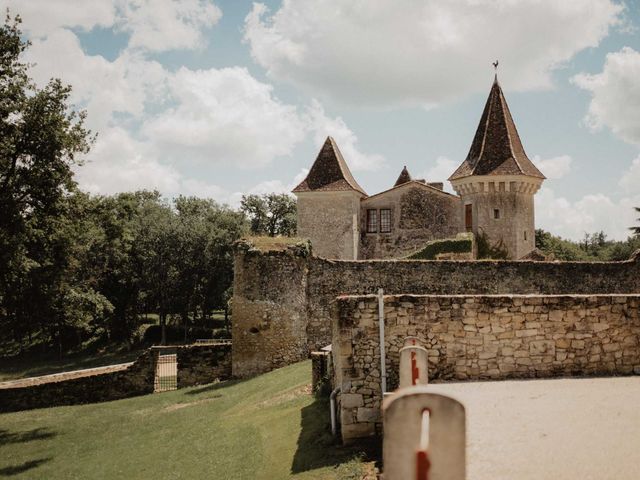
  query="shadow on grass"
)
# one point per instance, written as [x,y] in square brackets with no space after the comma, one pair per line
[213,387]
[317,448]
[23,467]
[7,437]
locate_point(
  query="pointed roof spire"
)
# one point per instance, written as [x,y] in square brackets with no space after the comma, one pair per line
[496,148]
[329,172]
[404,177]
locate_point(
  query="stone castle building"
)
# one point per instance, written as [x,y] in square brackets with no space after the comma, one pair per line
[495,186]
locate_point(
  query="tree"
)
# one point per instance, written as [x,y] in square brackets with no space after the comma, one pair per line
[270,214]
[41,138]
[636,230]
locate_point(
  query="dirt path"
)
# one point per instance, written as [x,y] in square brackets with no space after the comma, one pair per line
[551,429]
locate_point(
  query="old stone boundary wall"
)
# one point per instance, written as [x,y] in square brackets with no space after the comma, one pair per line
[197,364]
[472,337]
[282,299]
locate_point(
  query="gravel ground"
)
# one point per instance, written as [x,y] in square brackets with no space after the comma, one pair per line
[551,429]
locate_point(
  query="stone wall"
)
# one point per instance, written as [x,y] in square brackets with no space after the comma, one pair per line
[419,213]
[269,327]
[199,364]
[331,220]
[471,337]
[196,364]
[282,299]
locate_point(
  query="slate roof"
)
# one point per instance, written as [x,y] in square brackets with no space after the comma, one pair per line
[329,173]
[496,147]
[404,177]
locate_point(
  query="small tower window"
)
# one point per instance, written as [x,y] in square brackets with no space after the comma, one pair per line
[385,220]
[496,213]
[468,217]
[372,220]
[525,235]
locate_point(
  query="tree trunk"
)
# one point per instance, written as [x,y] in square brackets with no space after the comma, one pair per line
[163,329]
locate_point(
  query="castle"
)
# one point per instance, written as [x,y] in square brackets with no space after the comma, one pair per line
[495,186]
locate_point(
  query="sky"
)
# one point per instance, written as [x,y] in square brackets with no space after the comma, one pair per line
[227,97]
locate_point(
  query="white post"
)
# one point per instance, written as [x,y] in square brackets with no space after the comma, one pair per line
[383,360]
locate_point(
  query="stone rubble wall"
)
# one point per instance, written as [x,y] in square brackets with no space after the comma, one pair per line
[269,327]
[282,299]
[479,337]
[196,365]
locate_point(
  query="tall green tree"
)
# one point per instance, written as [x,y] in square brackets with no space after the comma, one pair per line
[270,214]
[636,230]
[41,137]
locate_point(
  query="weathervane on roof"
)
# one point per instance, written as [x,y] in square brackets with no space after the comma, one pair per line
[495,67]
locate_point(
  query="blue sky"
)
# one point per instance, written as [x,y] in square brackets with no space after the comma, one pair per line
[219,98]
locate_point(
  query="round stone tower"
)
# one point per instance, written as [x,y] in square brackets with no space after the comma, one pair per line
[497,182]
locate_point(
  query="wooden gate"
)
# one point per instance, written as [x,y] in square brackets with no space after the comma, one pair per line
[166,370]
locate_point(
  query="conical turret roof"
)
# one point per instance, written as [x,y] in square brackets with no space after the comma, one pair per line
[404,177]
[329,172]
[496,147]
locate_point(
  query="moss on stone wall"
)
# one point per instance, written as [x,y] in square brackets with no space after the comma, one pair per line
[463,243]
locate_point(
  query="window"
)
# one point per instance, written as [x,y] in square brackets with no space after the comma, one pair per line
[385,220]
[372,221]
[468,217]
[525,235]
[496,213]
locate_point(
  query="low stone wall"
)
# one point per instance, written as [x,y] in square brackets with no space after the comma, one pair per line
[196,365]
[199,364]
[471,337]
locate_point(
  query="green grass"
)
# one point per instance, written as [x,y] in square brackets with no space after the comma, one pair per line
[268,427]
[12,368]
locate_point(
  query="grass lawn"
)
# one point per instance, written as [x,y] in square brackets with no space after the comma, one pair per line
[268,427]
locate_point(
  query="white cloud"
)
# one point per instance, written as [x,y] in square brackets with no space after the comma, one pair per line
[159,25]
[322,126]
[442,170]
[269,186]
[41,17]
[403,52]
[553,168]
[153,25]
[590,214]
[630,181]
[615,101]
[227,116]
[119,163]
[101,86]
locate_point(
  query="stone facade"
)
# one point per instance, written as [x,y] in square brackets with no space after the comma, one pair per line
[337,215]
[283,299]
[471,337]
[502,208]
[196,365]
[496,183]
[419,213]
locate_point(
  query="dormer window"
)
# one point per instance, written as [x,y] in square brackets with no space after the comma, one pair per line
[372,220]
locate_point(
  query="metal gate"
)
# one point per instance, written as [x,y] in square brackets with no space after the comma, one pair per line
[166,370]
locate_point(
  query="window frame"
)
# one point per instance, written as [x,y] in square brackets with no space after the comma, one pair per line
[387,211]
[372,227]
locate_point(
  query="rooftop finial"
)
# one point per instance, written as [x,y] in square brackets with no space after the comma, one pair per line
[495,67]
